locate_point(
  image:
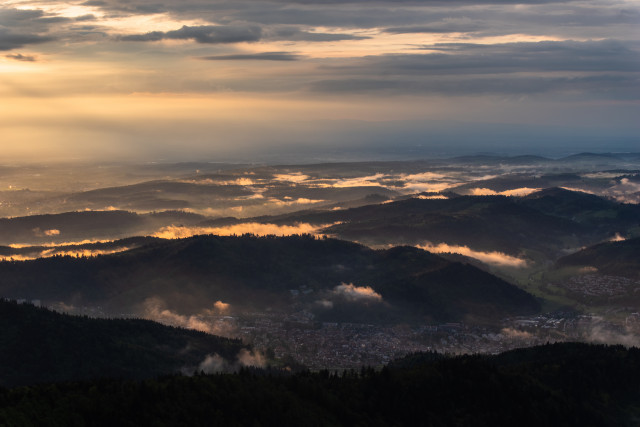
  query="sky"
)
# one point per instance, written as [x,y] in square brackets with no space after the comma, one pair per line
[256,80]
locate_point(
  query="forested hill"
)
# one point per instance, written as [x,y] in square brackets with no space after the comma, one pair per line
[614,258]
[190,275]
[554,385]
[38,345]
[549,221]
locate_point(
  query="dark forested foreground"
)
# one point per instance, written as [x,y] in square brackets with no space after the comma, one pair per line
[38,345]
[559,384]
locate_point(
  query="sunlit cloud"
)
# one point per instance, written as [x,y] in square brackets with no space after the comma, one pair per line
[364,181]
[324,74]
[428,187]
[221,306]
[617,238]
[354,293]
[45,233]
[424,177]
[626,191]
[432,197]
[516,192]
[291,177]
[494,258]
[155,309]
[293,202]
[255,228]
[604,175]
[57,244]
[75,253]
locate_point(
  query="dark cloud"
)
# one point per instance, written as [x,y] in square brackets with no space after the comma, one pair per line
[435,29]
[17,17]
[21,57]
[88,17]
[456,59]
[20,27]
[204,34]
[9,40]
[263,56]
[295,34]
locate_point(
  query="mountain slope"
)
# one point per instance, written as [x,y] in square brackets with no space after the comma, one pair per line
[189,275]
[38,345]
[549,221]
[93,225]
[613,258]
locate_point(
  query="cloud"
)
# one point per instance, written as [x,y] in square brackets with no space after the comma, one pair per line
[362,181]
[213,363]
[517,192]
[353,293]
[579,190]
[514,333]
[600,332]
[263,56]
[424,177]
[296,177]
[437,28]
[154,308]
[494,258]
[429,187]
[505,58]
[45,233]
[617,238]
[300,201]
[48,253]
[432,197]
[21,57]
[221,306]
[251,358]
[212,34]
[323,303]
[294,34]
[10,40]
[607,67]
[258,229]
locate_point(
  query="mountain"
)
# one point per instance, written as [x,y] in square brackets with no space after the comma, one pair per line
[39,345]
[334,279]
[597,213]
[85,225]
[81,249]
[558,384]
[550,221]
[613,258]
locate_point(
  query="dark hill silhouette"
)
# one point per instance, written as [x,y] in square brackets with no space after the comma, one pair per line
[191,274]
[78,226]
[38,345]
[553,385]
[613,258]
[549,221]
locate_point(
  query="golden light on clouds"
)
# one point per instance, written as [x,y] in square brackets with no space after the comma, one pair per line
[517,192]
[258,229]
[140,79]
[494,258]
